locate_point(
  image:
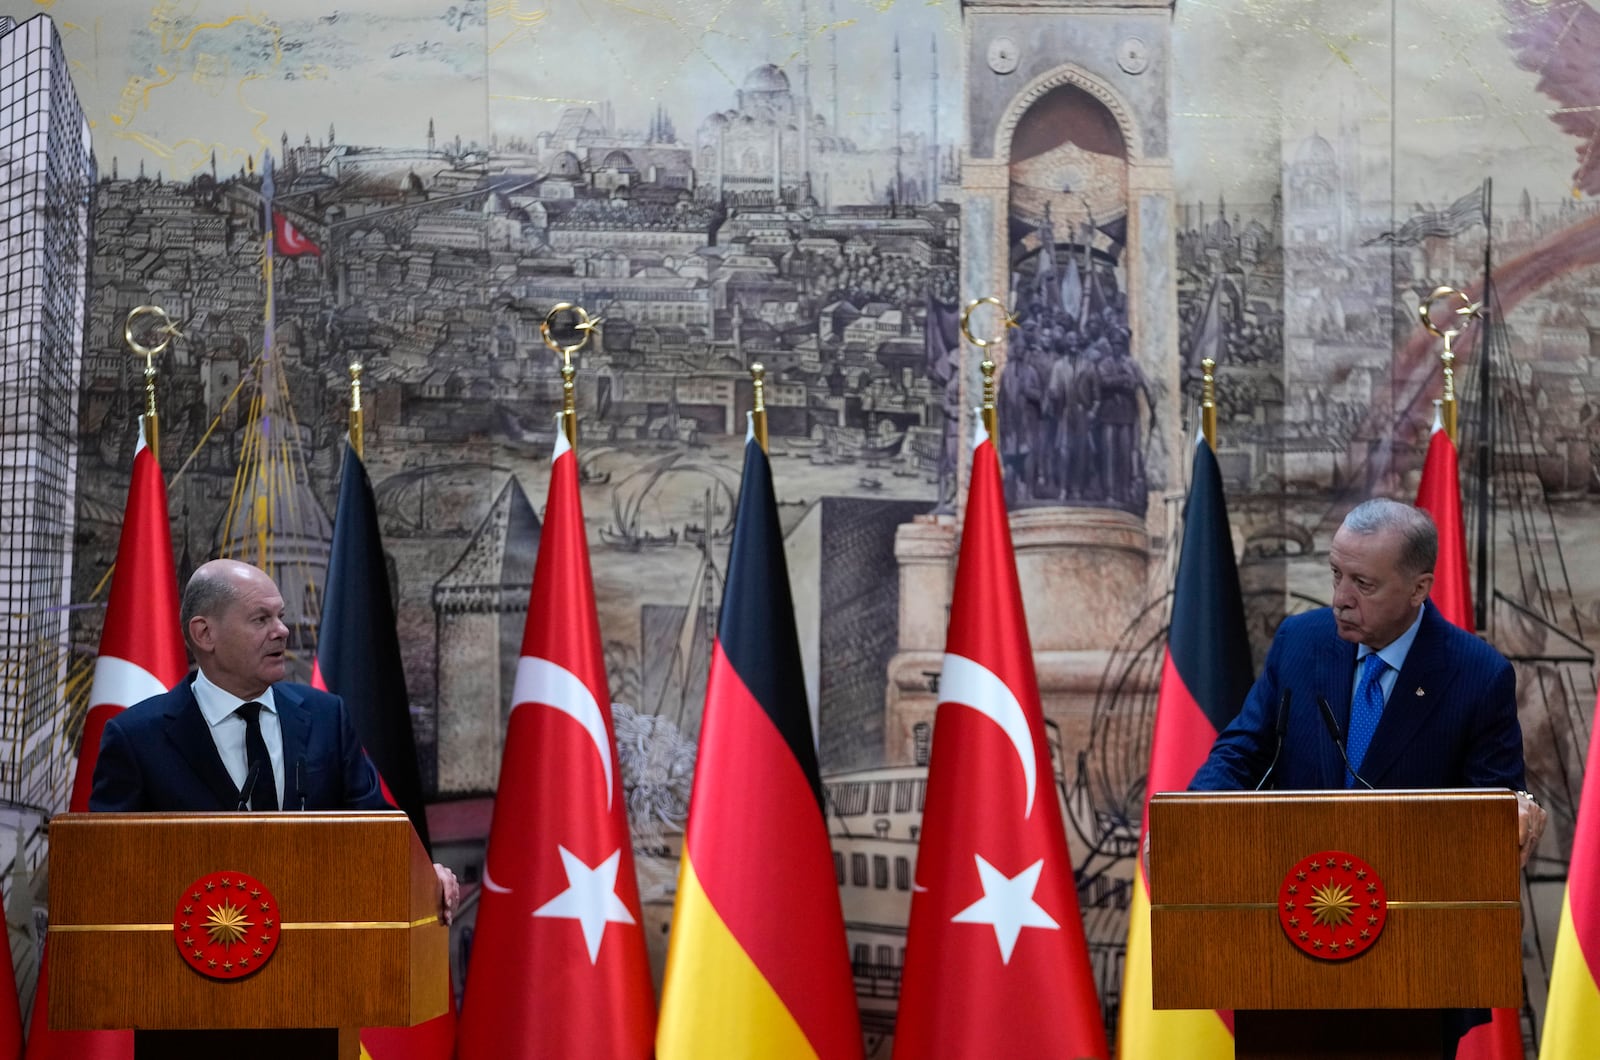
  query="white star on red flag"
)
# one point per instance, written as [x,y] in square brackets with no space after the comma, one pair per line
[1007,905]
[590,898]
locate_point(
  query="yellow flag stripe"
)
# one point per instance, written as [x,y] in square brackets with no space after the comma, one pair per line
[714,1001]
[1572,1012]
[1145,1033]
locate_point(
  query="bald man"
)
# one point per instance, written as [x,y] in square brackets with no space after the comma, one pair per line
[234,735]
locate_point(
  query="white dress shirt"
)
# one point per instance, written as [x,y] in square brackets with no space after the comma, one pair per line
[1394,655]
[220,708]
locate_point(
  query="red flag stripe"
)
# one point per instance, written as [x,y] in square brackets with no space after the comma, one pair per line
[1583,873]
[1181,739]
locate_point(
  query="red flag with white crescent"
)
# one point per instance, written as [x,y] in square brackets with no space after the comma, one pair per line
[558,965]
[141,655]
[1439,494]
[289,240]
[141,645]
[996,960]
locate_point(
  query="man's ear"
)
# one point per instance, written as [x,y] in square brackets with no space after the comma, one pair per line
[1420,592]
[200,634]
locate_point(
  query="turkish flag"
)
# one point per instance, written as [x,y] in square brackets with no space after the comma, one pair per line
[141,655]
[141,644]
[1439,494]
[558,965]
[996,961]
[289,240]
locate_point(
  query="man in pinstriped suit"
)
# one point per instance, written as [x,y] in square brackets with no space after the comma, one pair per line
[1446,710]
[1425,704]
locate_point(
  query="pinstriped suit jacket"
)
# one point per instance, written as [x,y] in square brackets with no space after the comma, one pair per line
[1451,721]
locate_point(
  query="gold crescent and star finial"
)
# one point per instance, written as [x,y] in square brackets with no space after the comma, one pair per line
[1465,313]
[988,366]
[168,330]
[585,327]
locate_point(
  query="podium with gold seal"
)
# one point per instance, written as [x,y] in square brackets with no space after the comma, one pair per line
[1336,923]
[243,935]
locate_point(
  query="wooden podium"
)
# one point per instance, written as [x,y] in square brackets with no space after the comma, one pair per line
[360,944]
[1451,935]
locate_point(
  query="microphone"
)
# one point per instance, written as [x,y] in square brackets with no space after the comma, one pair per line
[299,786]
[1277,747]
[1338,741]
[249,785]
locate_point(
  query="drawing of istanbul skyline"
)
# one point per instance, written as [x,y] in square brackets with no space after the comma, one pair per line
[629,222]
[459,183]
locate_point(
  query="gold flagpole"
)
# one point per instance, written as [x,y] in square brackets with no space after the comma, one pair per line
[150,420]
[358,439]
[991,420]
[1208,402]
[758,415]
[585,327]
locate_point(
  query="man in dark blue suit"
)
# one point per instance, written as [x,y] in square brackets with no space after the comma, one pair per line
[1417,701]
[1425,704]
[235,735]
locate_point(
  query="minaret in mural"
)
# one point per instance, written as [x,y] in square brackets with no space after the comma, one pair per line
[803,117]
[430,136]
[833,64]
[933,124]
[899,182]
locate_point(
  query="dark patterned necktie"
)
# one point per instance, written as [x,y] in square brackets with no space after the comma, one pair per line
[265,794]
[1365,711]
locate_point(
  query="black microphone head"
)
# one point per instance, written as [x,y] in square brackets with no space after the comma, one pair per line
[1330,721]
[1283,714]
[249,785]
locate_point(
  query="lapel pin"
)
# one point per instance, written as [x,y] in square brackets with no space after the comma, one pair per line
[1420,692]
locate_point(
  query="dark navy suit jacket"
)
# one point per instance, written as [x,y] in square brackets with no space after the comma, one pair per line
[1451,721]
[158,755]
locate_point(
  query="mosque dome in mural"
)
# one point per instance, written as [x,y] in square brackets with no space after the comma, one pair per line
[1314,151]
[766,78]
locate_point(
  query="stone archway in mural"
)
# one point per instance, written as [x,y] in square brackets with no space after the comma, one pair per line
[1071,431]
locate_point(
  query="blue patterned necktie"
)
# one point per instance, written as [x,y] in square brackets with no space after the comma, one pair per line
[1365,712]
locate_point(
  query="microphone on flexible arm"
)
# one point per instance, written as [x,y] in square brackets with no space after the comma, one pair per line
[249,785]
[1277,747]
[1338,741]
[299,786]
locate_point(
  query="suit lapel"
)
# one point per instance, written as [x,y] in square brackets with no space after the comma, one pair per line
[1426,671]
[1335,677]
[295,722]
[187,729]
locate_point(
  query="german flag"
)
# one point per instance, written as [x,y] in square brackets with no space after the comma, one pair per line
[358,648]
[358,659]
[757,964]
[1204,681]
[1572,1009]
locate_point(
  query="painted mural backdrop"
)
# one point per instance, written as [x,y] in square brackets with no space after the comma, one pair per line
[728,183]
